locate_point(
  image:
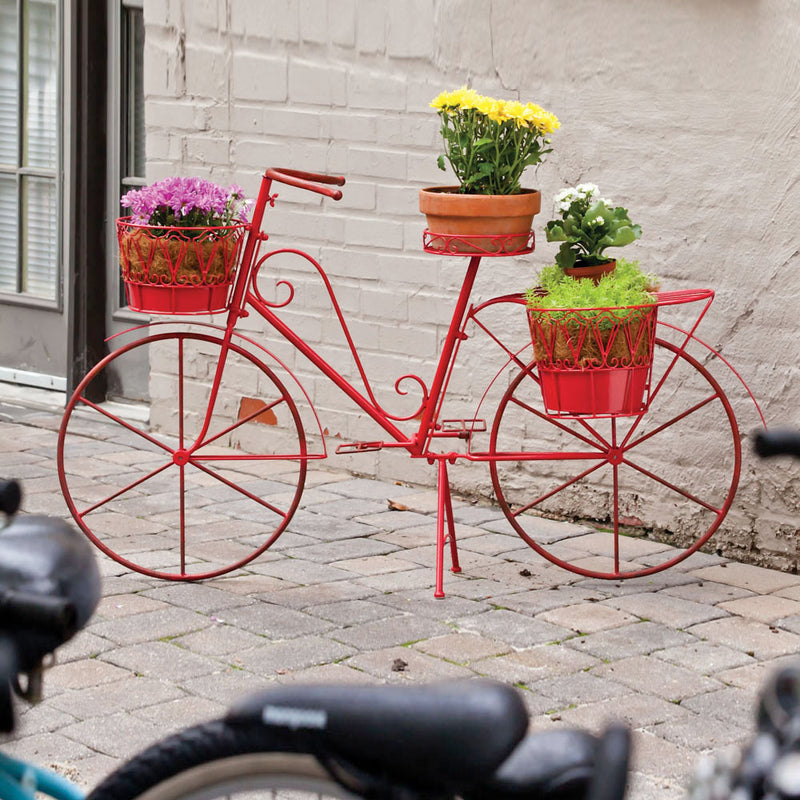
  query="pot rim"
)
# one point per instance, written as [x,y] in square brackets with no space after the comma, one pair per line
[454,190]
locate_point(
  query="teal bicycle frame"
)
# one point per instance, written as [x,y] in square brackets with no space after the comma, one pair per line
[21,781]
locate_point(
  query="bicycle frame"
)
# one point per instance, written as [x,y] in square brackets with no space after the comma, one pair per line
[22,781]
[245,295]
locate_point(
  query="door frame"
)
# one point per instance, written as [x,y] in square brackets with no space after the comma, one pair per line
[86,264]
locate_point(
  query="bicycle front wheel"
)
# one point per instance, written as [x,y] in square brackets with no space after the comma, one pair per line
[157,494]
[657,484]
[217,762]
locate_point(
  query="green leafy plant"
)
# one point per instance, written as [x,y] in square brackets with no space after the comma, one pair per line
[588,224]
[626,286]
[489,143]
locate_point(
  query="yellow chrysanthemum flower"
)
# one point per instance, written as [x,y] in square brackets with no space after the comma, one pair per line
[514,110]
[543,120]
[440,101]
[480,131]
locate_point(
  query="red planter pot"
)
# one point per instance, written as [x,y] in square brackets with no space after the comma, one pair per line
[594,362]
[178,270]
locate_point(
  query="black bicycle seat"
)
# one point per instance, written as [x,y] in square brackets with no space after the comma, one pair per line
[46,557]
[436,736]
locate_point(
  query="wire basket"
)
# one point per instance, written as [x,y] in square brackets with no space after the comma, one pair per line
[171,270]
[594,362]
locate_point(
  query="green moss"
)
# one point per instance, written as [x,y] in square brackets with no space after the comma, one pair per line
[627,285]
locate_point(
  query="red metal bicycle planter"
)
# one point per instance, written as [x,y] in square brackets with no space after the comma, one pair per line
[242,445]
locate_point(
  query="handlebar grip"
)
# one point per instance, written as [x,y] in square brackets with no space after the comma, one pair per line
[8,673]
[10,497]
[611,764]
[307,180]
[777,442]
[26,609]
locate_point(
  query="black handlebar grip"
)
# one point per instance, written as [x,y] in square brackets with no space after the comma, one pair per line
[777,442]
[611,764]
[8,672]
[10,497]
[51,614]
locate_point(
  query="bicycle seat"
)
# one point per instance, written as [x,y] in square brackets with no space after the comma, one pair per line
[437,736]
[45,556]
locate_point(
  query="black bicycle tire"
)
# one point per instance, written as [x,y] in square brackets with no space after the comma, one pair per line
[194,748]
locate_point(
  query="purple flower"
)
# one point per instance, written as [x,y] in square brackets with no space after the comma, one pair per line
[192,202]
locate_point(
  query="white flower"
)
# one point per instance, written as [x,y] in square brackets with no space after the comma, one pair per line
[607,201]
[597,221]
[564,194]
[586,189]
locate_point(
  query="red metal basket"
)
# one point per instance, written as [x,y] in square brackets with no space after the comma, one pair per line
[594,362]
[178,270]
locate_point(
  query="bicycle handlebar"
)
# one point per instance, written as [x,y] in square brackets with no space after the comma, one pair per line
[307,180]
[777,442]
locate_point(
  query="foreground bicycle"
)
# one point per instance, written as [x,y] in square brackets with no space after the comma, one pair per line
[460,739]
[236,429]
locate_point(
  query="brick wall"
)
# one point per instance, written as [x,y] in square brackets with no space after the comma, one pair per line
[682,112]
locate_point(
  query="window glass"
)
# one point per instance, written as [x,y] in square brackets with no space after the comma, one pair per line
[39,85]
[39,236]
[29,148]
[8,233]
[133,93]
[9,81]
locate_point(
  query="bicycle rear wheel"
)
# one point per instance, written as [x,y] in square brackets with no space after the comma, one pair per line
[217,762]
[664,477]
[158,495]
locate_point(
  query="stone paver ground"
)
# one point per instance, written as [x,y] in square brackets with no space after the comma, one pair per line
[346,595]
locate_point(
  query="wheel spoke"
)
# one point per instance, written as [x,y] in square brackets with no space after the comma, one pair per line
[600,444]
[180,401]
[558,489]
[126,425]
[677,418]
[240,422]
[671,486]
[241,490]
[182,517]
[125,489]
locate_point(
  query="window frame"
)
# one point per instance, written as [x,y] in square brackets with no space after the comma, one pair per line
[118,122]
[19,298]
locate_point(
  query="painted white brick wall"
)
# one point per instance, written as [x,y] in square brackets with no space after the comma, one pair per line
[682,112]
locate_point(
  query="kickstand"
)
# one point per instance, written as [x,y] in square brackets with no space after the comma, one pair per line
[444,514]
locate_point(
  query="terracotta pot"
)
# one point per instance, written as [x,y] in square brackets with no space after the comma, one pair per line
[595,271]
[483,223]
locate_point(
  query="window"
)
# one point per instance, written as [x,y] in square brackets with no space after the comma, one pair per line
[127,116]
[29,148]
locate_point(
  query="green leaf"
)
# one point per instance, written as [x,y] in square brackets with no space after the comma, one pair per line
[440,162]
[624,235]
[565,258]
[554,231]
